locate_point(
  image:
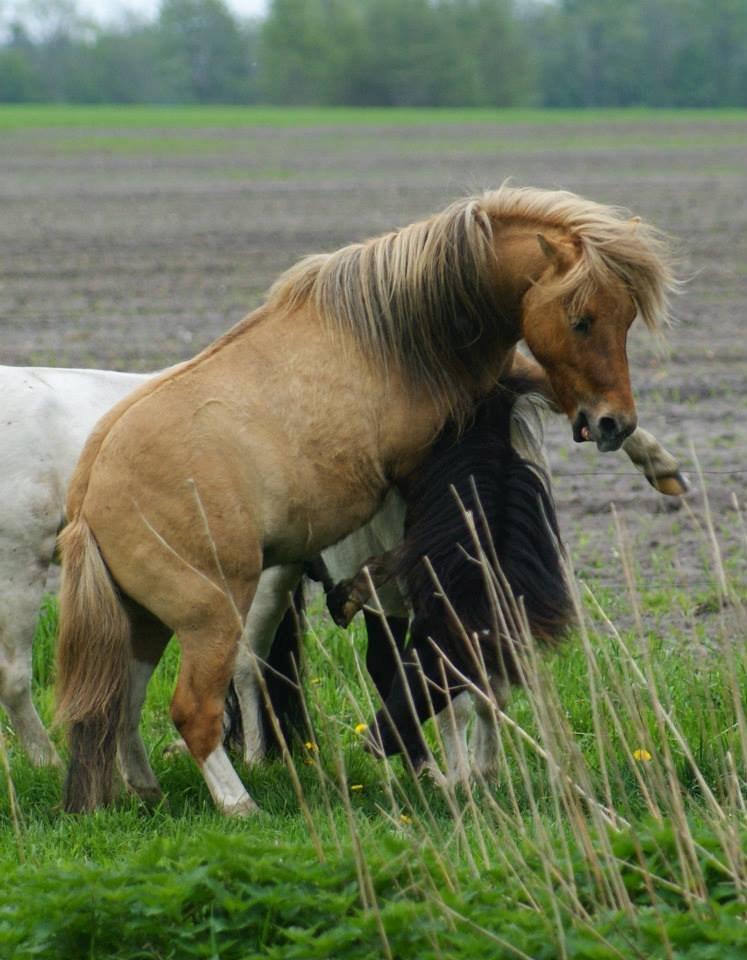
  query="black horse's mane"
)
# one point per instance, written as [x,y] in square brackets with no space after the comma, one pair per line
[478,471]
[514,519]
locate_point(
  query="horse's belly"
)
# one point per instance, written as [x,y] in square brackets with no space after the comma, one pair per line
[323,514]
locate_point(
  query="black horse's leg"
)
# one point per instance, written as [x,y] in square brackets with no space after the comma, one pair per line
[382,661]
[381,653]
[417,693]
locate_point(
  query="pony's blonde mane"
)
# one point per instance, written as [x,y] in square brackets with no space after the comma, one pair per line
[424,298]
[612,244]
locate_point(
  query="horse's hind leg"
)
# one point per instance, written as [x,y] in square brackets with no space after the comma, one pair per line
[208,658]
[149,639]
[485,737]
[265,615]
[21,589]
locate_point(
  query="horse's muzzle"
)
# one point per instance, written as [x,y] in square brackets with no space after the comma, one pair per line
[608,432]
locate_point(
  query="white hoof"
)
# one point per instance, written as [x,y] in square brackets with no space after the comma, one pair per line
[245,807]
[177,748]
[44,757]
[431,771]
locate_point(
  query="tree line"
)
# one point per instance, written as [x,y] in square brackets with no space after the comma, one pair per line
[567,53]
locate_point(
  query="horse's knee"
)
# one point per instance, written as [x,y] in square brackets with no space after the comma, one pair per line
[15,684]
[245,669]
[199,723]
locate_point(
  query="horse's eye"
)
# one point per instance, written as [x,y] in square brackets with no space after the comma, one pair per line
[581,324]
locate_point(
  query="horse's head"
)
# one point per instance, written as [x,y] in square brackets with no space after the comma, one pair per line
[578,333]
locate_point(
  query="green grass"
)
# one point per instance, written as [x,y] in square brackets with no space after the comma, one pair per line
[30,117]
[233,897]
[584,849]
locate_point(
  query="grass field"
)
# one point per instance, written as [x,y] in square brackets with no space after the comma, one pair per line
[130,237]
[134,117]
[616,828]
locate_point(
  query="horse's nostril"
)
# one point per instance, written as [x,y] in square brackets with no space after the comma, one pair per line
[608,426]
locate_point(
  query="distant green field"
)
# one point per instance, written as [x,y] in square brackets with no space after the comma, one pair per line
[37,117]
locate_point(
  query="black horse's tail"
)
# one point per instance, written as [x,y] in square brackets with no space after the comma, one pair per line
[282,677]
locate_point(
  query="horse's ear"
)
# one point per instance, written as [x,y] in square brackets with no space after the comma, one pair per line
[561,254]
[480,218]
[550,250]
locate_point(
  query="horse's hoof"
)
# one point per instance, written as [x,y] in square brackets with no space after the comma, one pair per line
[341,607]
[41,758]
[432,772]
[673,485]
[489,774]
[242,809]
[177,748]
[149,794]
[253,758]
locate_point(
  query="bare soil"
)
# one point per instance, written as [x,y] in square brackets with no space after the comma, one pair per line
[134,251]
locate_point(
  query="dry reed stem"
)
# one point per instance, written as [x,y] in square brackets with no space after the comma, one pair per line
[15,810]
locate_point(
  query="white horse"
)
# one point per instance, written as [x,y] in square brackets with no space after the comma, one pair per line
[48,414]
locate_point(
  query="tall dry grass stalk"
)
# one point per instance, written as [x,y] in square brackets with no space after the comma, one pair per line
[558,793]
[559,790]
[15,810]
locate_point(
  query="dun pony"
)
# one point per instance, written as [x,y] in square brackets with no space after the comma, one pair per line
[259,451]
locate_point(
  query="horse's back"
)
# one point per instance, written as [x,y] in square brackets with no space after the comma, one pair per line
[47,415]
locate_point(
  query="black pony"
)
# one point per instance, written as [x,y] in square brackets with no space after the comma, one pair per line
[476,471]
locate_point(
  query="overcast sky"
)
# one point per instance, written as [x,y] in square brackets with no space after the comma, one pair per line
[108,9]
[103,11]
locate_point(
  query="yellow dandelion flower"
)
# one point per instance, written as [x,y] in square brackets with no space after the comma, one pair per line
[403,818]
[361,727]
[316,681]
[642,755]
[311,746]
[356,786]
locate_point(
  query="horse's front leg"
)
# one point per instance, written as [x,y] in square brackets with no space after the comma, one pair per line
[421,688]
[452,727]
[646,453]
[657,465]
[349,596]
[484,766]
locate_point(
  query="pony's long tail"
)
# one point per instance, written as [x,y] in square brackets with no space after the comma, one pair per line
[93,662]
